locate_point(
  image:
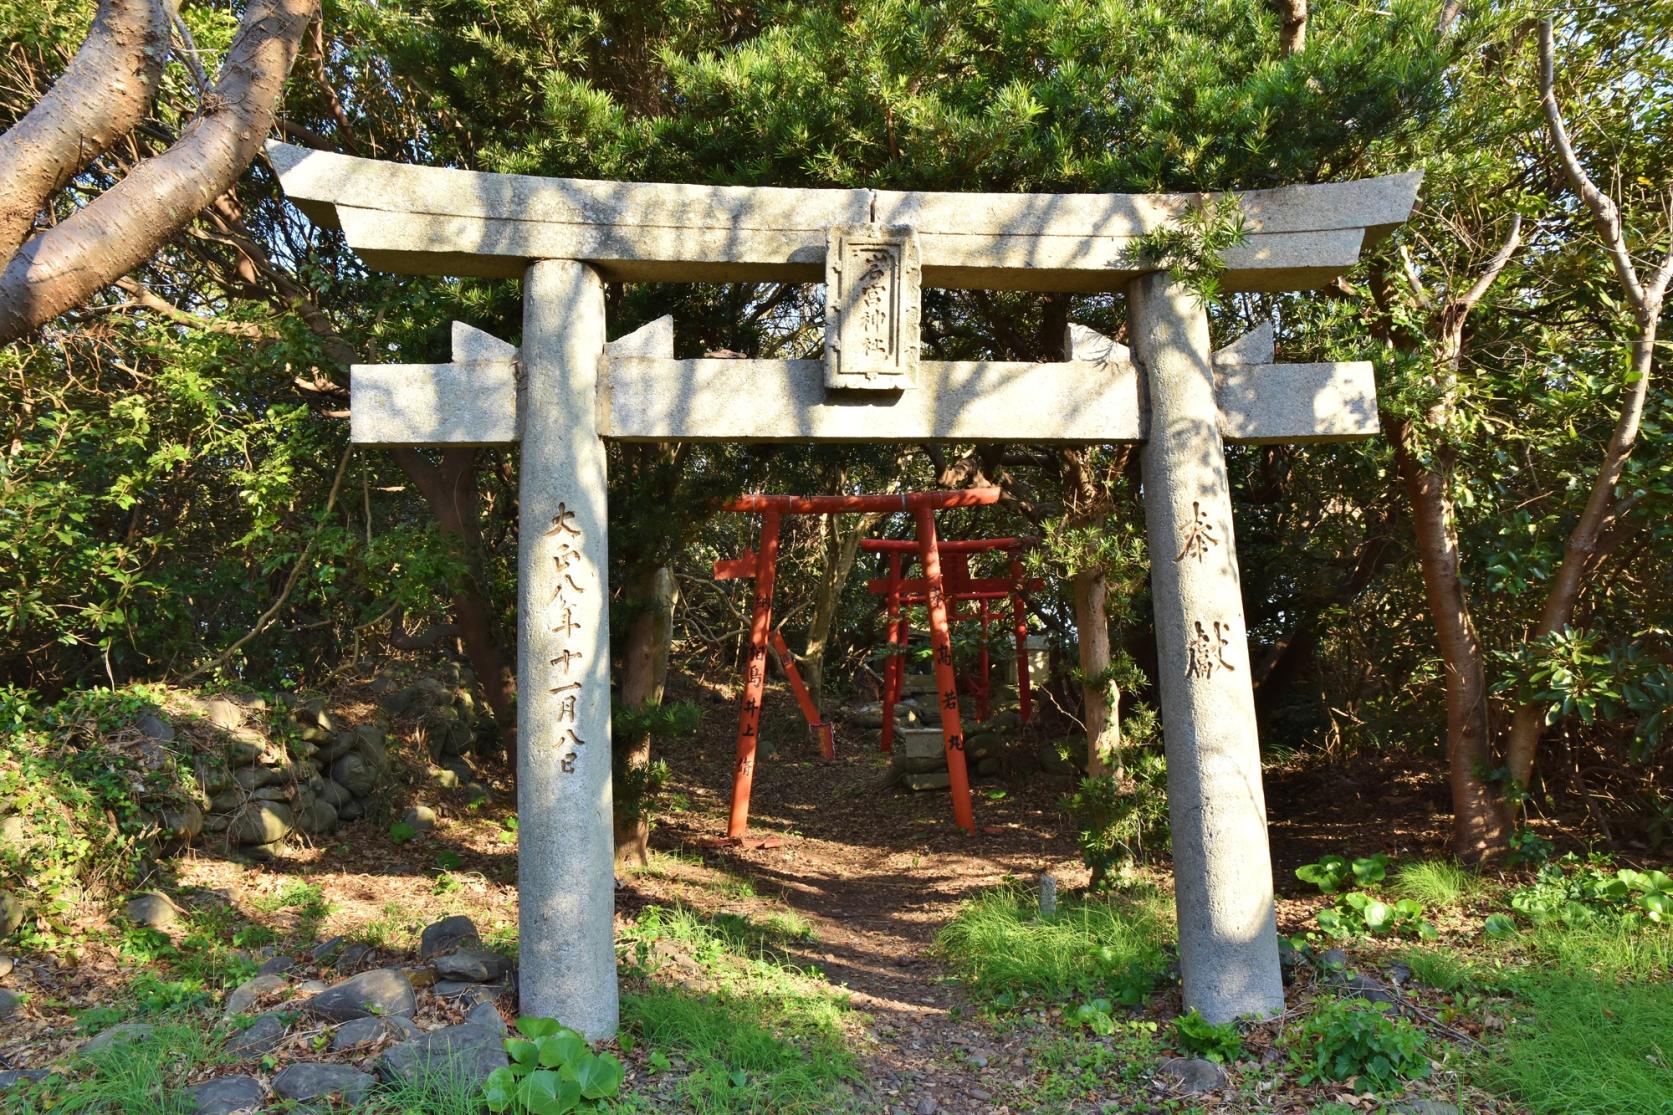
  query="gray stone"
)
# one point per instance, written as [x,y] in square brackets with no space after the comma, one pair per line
[935,780]
[1423,1107]
[156,727]
[12,912]
[919,750]
[1228,933]
[1370,989]
[430,220]
[274,965]
[445,779]
[16,1078]
[368,1031]
[225,801]
[261,822]
[873,282]
[474,993]
[926,1105]
[355,774]
[254,777]
[153,910]
[253,991]
[328,949]
[1333,960]
[421,817]
[119,1034]
[12,830]
[382,991]
[1400,973]
[468,1051]
[223,714]
[6,966]
[184,823]
[446,935]
[306,1081]
[1192,1075]
[227,1095]
[472,964]
[10,1003]
[309,988]
[259,1038]
[318,819]
[353,956]
[486,1014]
[272,793]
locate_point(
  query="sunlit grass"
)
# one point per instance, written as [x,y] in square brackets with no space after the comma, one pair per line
[1005,950]
[1438,883]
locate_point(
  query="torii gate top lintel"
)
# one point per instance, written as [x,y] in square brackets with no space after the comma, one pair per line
[566,392]
[440,221]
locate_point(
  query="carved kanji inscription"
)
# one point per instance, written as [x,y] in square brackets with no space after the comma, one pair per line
[872,294]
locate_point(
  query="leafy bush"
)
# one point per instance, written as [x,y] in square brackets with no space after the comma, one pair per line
[1352,1039]
[1217,1041]
[552,1072]
[1575,891]
[1117,816]
[1331,873]
[1357,913]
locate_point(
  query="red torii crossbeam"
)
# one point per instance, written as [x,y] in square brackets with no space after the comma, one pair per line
[958,587]
[922,506]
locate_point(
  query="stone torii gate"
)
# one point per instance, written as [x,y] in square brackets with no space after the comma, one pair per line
[566,391]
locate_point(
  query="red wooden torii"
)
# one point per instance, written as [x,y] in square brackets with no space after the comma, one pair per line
[958,586]
[763,566]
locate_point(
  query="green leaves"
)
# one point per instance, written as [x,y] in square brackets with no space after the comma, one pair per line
[551,1072]
[1356,1040]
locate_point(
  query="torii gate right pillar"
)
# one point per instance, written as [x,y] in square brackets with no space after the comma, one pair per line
[1228,937]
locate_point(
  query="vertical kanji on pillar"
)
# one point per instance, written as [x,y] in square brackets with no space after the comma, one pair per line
[1228,937]
[566,878]
[895,667]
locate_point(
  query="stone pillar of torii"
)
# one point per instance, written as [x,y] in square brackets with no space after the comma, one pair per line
[565,391]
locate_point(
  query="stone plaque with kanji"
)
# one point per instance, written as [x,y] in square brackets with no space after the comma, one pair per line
[872,283]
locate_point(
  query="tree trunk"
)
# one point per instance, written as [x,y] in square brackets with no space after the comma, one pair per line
[450,491]
[1479,828]
[123,227]
[103,93]
[1584,545]
[1099,695]
[1292,32]
[654,594]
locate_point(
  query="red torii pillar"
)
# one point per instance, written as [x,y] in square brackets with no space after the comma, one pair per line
[922,506]
[899,592]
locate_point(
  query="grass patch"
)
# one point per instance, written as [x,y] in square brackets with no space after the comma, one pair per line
[137,1077]
[1607,948]
[1587,1047]
[760,1037]
[1111,947]
[1438,883]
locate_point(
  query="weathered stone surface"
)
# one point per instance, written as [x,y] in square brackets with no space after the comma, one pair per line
[429,220]
[6,966]
[468,1051]
[318,819]
[472,964]
[473,993]
[1192,1075]
[12,830]
[446,935]
[919,750]
[306,1081]
[1423,1107]
[153,910]
[156,727]
[873,278]
[253,991]
[223,713]
[183,823]
[335,794]
[368,1031]
[227,1095]
[10,1003]
[934,780]
[355,774]
[275,965]
[261,822]
[118,1034]
[309,988]
[259,1037]
[421,817]
[382,991]
[16,1078]
[1228,937]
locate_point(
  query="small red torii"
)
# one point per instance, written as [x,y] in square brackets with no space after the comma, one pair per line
[958,586]
[763,566]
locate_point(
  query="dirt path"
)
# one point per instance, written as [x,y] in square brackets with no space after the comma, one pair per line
[878,871]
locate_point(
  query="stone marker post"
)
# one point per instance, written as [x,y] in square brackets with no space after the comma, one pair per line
[1228,943]
[565,876]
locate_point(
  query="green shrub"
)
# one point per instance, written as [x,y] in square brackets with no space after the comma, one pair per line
[552,1072]
[1217,1041]
[1575,892]
[1118,816]
[1354,1040]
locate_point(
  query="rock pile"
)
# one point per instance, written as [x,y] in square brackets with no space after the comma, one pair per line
[450,723]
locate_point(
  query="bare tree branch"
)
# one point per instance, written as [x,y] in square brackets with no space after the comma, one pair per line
[124,226]
[104,92]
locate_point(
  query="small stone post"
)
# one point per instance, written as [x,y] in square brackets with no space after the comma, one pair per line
[565,872]
[1228,939]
